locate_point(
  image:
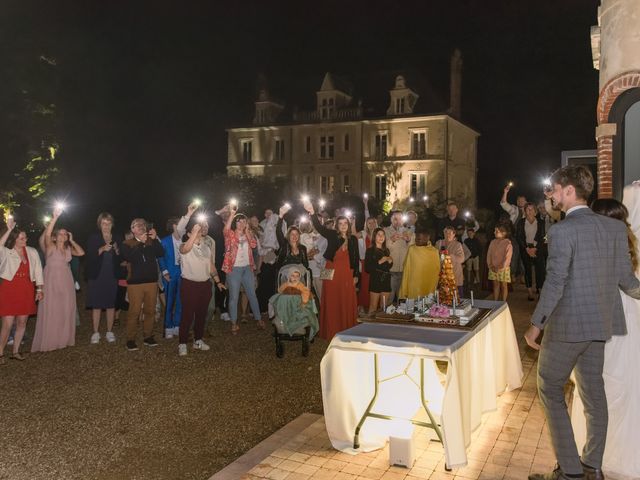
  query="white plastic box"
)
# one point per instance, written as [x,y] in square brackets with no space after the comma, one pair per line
[402,449]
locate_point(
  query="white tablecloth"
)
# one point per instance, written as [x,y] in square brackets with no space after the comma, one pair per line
[482,364]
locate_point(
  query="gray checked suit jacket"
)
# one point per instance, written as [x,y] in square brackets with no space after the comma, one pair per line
[588,263]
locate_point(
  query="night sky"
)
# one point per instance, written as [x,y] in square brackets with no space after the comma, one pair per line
[146,89]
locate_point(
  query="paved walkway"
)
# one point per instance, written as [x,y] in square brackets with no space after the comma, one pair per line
[510,443]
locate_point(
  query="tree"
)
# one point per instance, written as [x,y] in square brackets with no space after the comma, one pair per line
[30,130]
[254,194]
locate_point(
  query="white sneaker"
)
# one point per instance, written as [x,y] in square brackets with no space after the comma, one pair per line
[182,349]
[110,337]
[225,317]
[168,333]
[200,345]
[95,338]
[10,341]
[176,331]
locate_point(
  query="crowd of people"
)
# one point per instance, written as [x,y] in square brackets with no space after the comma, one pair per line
[229,263]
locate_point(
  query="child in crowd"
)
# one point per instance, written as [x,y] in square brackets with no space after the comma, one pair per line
[457,254]
[473,262]
[499,261]
[294,286]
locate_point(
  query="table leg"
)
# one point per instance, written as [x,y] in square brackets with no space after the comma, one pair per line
[356,441]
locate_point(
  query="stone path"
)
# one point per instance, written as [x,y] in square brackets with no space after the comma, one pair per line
[510,443]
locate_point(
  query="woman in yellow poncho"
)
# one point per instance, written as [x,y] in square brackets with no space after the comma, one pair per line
[421,268]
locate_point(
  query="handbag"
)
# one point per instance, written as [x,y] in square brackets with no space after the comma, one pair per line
[327,273]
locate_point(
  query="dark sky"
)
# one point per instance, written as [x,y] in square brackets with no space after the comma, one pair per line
[147,88]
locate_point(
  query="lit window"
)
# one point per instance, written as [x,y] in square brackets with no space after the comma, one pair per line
[327,184]
[381,147]
[419,144]
[306,183]
[346,186]
[381,187]
[327,147]
[247,147]
[418,184]
[279,150]
[399,105]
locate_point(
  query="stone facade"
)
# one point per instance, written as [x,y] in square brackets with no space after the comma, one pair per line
[615,44]
[336,148]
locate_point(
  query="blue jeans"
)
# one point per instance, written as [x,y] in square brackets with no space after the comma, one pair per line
[173,312]
[242,276]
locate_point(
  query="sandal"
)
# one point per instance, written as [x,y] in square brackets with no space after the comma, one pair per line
[17,356]
[234,329]
[261,324]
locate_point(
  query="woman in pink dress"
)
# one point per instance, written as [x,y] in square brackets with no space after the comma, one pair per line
[56,326]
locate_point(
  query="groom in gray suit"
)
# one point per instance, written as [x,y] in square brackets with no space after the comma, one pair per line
[579,309]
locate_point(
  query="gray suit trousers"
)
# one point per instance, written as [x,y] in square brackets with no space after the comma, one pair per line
[555,363]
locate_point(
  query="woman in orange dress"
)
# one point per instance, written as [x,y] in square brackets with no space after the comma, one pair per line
[338,306]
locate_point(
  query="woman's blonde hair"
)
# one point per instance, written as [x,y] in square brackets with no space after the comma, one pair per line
[104,216]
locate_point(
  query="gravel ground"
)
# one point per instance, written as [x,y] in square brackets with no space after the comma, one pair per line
[101,412]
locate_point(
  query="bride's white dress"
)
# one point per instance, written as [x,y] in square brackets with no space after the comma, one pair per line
[622,381]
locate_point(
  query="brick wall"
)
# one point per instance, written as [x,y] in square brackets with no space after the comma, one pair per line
[605,131]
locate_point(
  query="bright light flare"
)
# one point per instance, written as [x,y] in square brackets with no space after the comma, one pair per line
[46,219]
[411,199]
[233,202]
[303,219]
[425,198]
[197,202]
[510,184]
[348,213]
[306,198]
[287,205]
[405,217]
[322,203]
[546,182]
[60,206]
[467,214]
[365,195]
[201,218]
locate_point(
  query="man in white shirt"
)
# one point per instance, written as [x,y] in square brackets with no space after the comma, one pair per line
[267,249]
[516,212]
[316,245]
[398,240]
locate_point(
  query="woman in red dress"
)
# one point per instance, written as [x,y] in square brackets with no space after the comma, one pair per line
[20,268]
[338,305]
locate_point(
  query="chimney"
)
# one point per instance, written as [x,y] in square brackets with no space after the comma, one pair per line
[456,84]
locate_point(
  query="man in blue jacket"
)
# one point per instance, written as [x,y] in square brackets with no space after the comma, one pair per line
[171,275]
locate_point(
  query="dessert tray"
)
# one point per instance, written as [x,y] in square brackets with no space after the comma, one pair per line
[463,319]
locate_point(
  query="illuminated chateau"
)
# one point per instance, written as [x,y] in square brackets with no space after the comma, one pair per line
[410,146]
